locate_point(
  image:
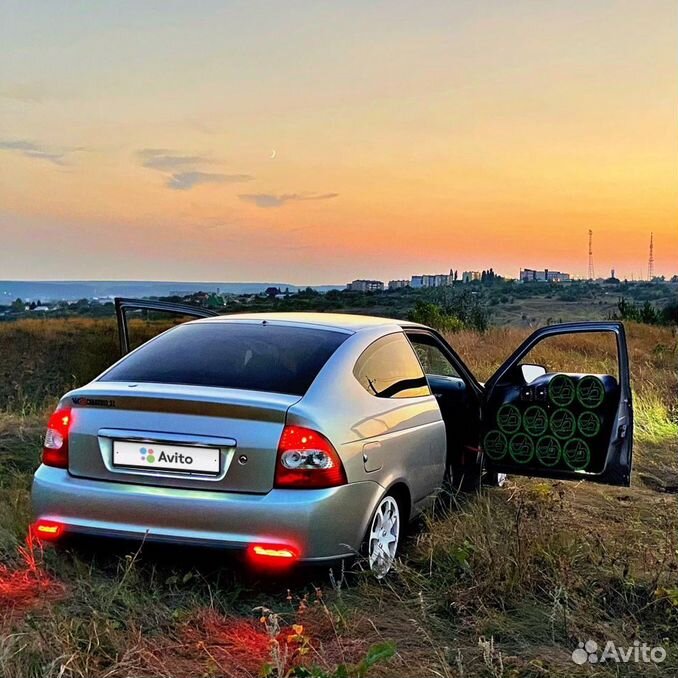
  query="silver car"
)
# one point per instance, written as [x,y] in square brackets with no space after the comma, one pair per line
[300,437]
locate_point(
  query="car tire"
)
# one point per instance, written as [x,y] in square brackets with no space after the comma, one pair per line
[383,536]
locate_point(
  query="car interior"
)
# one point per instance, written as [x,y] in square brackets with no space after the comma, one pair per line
[458,401]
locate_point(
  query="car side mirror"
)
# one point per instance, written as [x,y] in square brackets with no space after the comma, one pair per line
[532,372]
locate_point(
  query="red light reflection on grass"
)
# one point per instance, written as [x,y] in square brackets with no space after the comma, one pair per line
[27,585]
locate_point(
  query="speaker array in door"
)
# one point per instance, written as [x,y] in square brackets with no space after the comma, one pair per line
[551,423]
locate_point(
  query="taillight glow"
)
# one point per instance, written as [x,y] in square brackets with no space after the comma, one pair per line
[273,552]
[47,530]
[55,448]
[307,460]
[272,556]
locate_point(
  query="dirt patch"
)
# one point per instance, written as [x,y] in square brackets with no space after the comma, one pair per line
[210,643]
[668,484]
[26,589]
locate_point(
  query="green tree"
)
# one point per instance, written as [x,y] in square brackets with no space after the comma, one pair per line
[430,314]
[18,305]
[670,313]
[646,313]
[467,305]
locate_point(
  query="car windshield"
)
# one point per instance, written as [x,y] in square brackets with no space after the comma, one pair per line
[257,357]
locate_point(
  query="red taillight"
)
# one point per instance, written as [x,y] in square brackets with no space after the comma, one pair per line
[55,449]
[272,556]
[47,530]
[265,551]
[306,459]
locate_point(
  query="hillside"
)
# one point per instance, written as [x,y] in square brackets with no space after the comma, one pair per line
[71,290]
[498,302]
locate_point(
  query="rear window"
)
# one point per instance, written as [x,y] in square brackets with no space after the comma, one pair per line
[257,357]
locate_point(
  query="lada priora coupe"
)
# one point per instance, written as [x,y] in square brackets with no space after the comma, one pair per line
[311,437]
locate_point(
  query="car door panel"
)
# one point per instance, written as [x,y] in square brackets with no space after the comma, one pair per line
[460,413]
[458,398]
[572,426]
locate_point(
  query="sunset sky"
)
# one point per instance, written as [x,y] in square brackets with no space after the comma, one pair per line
[316,142]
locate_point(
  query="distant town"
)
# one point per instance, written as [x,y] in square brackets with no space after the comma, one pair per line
[527,275]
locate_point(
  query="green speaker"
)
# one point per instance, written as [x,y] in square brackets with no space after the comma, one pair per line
[535,420]
[588,424]
[508,418]
[590,392]
[495,445]
[548,451]
[563,424]
[521,448]
[576,454]
[561,390]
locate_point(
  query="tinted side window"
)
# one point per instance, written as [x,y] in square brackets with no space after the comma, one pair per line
[390,369]
[252,356]
[431,356]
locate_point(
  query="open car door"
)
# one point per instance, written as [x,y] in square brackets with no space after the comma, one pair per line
[123,307]
[572,426]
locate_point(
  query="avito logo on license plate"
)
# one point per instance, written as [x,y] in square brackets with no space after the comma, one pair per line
[148,456]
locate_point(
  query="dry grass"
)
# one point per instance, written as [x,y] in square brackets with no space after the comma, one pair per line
[502,583]
[41,359]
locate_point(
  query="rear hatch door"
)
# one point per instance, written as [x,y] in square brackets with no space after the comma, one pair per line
[202,405]
[193,437]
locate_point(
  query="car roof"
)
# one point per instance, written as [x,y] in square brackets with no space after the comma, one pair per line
[337,321]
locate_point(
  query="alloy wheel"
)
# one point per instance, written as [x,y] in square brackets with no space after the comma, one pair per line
[383,537]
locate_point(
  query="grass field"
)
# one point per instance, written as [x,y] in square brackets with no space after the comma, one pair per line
[504,582]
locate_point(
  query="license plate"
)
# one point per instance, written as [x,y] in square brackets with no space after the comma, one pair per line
[154,456]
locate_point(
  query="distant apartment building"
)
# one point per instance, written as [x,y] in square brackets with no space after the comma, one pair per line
[398,284]
[470,276]
[545,275]
[432,280]
[365,286]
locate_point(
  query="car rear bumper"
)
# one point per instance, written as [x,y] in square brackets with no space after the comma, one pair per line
[321,524]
